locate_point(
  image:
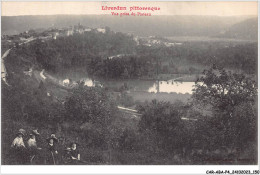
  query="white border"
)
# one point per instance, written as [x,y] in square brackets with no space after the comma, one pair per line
[111,169]
[115,169]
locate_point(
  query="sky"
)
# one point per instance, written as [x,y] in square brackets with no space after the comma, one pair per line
[227,8]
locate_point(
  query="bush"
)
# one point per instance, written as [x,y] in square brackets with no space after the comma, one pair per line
[164,122]
[232,100]
[94,107]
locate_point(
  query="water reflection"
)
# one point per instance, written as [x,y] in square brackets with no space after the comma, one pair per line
[138,85]
[178,87]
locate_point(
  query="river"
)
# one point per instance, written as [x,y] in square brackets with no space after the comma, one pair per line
[150,86]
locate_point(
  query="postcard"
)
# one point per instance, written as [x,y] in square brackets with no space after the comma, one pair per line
[88,86]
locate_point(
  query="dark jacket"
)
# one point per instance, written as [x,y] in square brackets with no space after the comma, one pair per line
[51,156]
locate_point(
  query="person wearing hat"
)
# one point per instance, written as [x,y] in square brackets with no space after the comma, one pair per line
[32,145]
[51,154]
[18,147]
[32,140]
[18,141]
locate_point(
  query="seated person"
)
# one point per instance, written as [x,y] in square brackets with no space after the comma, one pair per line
[75,155]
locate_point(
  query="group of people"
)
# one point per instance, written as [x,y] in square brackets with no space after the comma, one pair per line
[30,152]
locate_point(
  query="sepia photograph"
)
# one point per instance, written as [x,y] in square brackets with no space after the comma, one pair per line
[129,83]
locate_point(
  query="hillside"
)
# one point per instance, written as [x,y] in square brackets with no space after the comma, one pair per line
[246,29]
[141,26]
[130,122]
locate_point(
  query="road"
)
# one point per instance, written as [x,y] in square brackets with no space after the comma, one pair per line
[3,68]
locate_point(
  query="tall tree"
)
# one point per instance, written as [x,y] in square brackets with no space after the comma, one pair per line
[226,93]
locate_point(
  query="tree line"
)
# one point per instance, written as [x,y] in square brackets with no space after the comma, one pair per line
[97,53]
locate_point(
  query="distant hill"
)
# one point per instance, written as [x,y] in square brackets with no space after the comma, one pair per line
[246,29]
[142,26]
